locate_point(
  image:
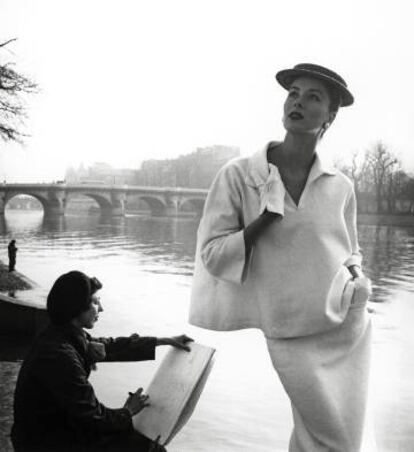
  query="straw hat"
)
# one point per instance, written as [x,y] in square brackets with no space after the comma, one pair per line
[334,80]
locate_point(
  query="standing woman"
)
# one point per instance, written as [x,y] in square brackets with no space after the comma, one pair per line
[278,250]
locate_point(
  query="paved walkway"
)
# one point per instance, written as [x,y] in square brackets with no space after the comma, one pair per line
[8,376]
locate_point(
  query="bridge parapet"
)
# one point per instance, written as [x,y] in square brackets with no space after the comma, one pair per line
[112,199]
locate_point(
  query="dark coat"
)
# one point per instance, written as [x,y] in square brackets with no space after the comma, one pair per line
[12,250]
[55,406]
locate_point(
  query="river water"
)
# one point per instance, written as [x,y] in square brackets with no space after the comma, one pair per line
[146,266]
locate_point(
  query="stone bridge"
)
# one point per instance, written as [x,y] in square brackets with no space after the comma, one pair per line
[112,199]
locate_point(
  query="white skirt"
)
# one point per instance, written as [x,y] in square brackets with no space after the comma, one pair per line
[326,378]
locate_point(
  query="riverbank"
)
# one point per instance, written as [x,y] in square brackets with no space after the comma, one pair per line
[12,350]
[12,281]
[385,219]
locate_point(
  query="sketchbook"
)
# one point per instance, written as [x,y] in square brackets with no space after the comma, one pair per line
[174,392]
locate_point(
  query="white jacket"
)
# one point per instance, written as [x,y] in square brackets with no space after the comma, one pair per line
[293,281]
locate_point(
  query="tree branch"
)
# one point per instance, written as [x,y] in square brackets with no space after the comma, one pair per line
[12,106]
[3,44]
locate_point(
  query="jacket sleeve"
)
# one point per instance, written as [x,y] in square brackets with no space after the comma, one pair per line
[132,348]
[64,375]
[351,225]
[220,236]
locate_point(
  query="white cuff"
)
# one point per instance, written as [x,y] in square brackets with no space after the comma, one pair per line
[273,197]
[226,258]
[355,259]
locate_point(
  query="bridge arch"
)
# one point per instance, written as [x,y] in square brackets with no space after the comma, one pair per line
[156,205]
[197,205]
[102,202]
[42,200]
[52,199]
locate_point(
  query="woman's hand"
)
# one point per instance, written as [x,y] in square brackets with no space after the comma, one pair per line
[362,284]
[363,290]
[156,446]
[176,341]
[272,193]
[136,402]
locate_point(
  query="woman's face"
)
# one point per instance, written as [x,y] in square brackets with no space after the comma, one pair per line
[88,318]
[306,108]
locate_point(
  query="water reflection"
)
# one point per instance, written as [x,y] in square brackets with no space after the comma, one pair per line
[162,245]
[20,222]
[146,265]
[167,245]
[54,224]
[389,258]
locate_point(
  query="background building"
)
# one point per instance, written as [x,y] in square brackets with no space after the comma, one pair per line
[195,170]
[101,173]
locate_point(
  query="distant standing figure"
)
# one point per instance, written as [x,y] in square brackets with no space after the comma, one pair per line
[12,249]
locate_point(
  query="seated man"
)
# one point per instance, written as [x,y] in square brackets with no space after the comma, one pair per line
[55,406]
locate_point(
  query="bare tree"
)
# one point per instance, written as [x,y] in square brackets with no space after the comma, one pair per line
[13,88]
[408,192]
[381,163]
[359,170]
[379,180]
[394,188]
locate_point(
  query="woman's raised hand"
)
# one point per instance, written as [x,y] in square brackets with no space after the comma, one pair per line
[176,341]
[272,194]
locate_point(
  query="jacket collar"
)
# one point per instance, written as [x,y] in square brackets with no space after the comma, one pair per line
[258,171]
[75,336]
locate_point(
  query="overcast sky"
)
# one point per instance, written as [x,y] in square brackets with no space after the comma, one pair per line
[128,80]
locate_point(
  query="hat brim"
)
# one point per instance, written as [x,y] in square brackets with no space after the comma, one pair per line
[287,76]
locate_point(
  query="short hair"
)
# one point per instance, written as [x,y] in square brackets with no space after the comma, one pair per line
[70,295]
[334,98]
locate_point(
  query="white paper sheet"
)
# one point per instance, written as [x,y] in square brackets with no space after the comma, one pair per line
[174,392]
